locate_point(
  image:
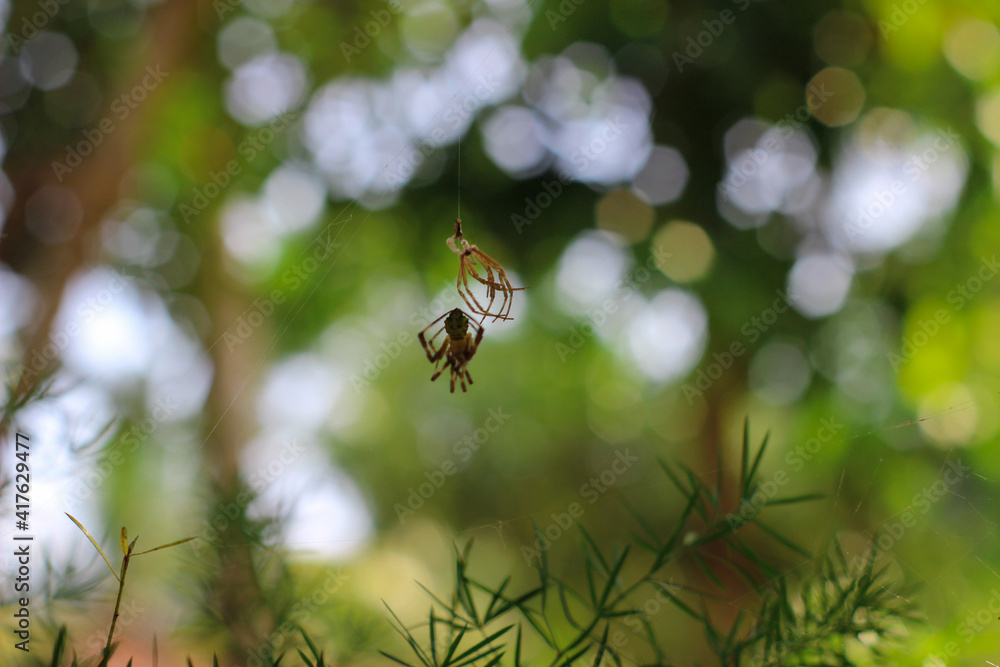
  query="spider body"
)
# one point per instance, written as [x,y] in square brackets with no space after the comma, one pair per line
[457,347]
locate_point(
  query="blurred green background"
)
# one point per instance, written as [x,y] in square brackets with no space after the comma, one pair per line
[224,225]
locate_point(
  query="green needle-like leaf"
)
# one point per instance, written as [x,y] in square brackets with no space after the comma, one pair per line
[94,542]
[164,546]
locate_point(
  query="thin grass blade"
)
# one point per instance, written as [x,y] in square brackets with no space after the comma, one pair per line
[60,646]
[305,659]
[94,542]
[164,546]
[395,659]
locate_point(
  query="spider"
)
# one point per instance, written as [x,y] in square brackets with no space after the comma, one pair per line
[457,347]
[468,256]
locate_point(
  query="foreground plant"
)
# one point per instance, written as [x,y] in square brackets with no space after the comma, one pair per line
[315,659]
[816,623]
[127,555]
[810,620]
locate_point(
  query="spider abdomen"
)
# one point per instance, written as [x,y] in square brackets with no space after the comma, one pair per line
[457,325]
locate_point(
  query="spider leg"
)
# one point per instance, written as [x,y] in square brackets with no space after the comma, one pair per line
[463,281]
[468,267]
[445,345]
[488,281]
[471,346]
[450,360]
[448,357]
[427,349]
[491,290]
[434,322]
[471,260]
[494,283]
[489,264]
[429,346]
[503,286]
[508,288]
[463,285]
[447,364]
[508,292]
[502,282]
[495,278]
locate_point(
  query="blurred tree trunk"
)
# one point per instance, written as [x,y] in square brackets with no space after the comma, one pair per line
[170,42]
[235,594]
[737,595]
